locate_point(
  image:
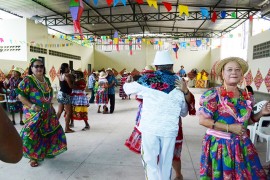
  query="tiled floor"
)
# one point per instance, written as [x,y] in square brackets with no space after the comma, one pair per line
[100,154]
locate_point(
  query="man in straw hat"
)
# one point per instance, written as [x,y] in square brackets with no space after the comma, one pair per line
[227,151]
[112,83]
[162,106]
[14,105]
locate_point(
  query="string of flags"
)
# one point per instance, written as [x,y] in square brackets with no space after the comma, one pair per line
[76,10]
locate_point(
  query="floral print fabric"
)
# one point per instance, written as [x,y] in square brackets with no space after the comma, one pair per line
[232,158]
[42,133]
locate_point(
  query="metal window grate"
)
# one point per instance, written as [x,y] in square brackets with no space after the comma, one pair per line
[261,50]
[64,55]
[38,50]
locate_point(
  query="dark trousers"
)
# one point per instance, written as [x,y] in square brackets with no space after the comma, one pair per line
[92,99]
[112,102]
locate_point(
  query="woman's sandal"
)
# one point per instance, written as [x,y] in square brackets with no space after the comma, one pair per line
[33,163]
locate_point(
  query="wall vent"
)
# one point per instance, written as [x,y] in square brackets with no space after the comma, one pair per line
[64,55]
[261,50]
[38,50]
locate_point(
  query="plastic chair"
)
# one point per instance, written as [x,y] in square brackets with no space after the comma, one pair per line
[252,128]
[263,133]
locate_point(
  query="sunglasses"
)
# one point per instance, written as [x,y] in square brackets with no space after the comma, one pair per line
[38,66]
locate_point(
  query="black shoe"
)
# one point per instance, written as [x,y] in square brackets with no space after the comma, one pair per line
[86,128]
[21,123]
[13,122]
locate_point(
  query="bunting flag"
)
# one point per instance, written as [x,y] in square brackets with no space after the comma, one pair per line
[1,40]
[115,2]
[198,43]
[140,1]
[152,3]
[130,47]
[205,13]
[76,10]
[223,14]
[95,2]
[183,9]
[109,2]
[116,40]
[250,18]
[167,5]
[175,49]
[183,44]
[139,43]
[233,15]
[258,79]
[267,81]
[214,17]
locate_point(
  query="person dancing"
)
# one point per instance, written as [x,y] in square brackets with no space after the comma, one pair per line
[80,101]
[42,134]
[64,99]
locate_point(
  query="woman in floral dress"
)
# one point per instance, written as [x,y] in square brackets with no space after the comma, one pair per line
[42,134]
[227,151]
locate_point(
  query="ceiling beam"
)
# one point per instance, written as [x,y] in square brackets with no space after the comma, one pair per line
[126,18]
[211,10]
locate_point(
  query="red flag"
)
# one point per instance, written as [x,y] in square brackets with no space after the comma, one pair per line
[109,2]
[250,18]
[140,1]
[168,6]
[214,17]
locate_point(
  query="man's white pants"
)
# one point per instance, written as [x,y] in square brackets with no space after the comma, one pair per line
[157,155]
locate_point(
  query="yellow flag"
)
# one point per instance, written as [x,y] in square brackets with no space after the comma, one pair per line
[152,3]
[143,39]
[183,9]
[116,40]
[160,43]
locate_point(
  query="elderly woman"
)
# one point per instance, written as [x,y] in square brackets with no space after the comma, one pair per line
[14,105]
[42,134]
[227,151]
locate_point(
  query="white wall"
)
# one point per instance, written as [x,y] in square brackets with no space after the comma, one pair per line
[119,60]
[262,64]
[38,33]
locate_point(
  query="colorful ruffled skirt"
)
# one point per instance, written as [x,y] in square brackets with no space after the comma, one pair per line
[42,135]
[80,105]
[234,158]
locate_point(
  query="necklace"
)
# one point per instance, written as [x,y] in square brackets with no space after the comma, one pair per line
[43,91]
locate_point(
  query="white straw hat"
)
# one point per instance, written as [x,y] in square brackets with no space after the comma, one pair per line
[103,74]
[163,58]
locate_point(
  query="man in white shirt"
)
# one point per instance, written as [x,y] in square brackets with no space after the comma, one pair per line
[162,106]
